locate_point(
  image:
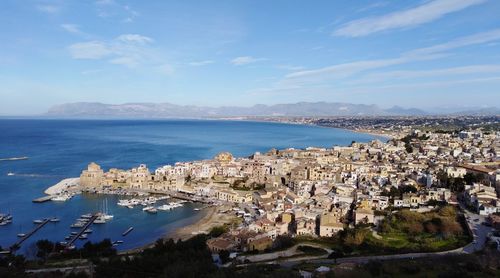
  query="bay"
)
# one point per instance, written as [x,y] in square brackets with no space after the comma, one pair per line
[59,149]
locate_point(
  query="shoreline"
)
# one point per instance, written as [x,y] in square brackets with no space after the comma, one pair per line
[207,219]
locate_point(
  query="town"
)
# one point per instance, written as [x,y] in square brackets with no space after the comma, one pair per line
[320,192]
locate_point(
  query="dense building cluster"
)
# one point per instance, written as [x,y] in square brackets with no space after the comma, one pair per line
[318,192]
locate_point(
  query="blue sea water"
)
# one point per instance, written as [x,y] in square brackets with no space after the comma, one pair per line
[59,149]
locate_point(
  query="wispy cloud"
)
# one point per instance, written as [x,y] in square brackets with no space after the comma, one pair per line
[201,63]
[90,50]
[111,8]
[289,67]
[135,38]
[339,75]
[72,28]
[479,38]
[128,50]
[407,74]
[48,8]
[427,12]
[244,60]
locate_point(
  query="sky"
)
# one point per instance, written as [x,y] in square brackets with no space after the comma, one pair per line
[424,54]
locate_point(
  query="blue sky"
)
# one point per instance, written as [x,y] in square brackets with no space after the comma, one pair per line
[435,53]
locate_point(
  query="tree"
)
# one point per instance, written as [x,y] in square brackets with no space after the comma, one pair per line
[45,247]
[224,256]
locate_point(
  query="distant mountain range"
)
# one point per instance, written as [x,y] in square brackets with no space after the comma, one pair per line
[168,110]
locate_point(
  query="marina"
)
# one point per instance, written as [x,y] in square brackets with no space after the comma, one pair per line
[17,245]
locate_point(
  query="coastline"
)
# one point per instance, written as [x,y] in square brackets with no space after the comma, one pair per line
[202,223]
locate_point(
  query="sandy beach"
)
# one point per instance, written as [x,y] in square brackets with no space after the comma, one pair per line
[209,218]
[213,217]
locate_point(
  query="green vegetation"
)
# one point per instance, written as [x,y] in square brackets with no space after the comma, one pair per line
[218,231]
[311,251]
[401,232]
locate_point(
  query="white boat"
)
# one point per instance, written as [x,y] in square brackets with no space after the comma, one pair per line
[88,215]
[153,210]
[77,225]
[21,235]
[37,221]
[55,219]
[61,198]
[165,207]
[148,208]
[100,220]
[105,215]
[10,174]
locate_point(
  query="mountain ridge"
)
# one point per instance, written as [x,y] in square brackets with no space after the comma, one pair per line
[305,109]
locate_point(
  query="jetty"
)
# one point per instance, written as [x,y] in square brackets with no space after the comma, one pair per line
[83,229]
[14,158]
[28,235]
[128,231]
[43,199]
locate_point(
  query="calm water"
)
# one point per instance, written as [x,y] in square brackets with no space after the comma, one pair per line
[60,149]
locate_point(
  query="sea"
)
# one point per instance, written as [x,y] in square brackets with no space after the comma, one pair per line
[58,149]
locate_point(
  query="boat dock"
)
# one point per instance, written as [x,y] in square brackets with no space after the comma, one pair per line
[127,231]
[87,225]
[28,235]
[43,199]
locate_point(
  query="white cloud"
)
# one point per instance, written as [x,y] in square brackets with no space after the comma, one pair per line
[244,60]
[479,38]
[89,50]
[72,28]
[135,38]
[201,63]
[51,9]
[348,69]
[464,70]
[427,12]
[129,50]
